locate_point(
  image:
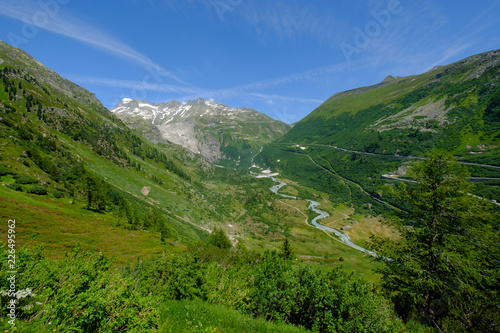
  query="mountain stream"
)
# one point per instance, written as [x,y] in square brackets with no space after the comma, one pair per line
[313,206]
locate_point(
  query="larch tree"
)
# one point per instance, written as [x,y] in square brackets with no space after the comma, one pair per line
[435,272]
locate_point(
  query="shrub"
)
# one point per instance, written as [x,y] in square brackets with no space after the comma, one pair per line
[57,194]
[4,171]
[322,300]
[24,179]
[15,187]
[37,189]
[219,238]
[78,293]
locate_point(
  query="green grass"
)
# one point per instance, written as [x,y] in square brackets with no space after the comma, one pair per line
[362,98]
[59,225]
[198,316]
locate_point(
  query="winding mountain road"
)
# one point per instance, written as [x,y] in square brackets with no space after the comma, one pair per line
[384,155]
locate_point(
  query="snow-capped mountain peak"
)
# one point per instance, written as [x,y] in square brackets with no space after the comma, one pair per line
[202,126]
[175,111]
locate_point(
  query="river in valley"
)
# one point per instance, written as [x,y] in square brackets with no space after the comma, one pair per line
[313,205]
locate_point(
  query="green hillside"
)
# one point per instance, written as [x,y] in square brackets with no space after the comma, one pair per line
[58,142]
[61,137]
[361,134]
[63,153]
[453,107]
[423,152]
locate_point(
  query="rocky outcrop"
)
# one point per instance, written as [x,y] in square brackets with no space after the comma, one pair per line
[215,131]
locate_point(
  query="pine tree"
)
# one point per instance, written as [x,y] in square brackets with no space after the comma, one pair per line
[129,212]
[435,269]
[156,220]
[97,191]
[219,238]
[287,250]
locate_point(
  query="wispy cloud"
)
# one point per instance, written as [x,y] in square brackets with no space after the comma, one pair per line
[479,17]
[295,77]
[467,36]
[425,35]
[422,36]
[452,51]
[270,98]
[290,19]
[74,28]
[131,84]
[252,89]
[185,93]
[399,45]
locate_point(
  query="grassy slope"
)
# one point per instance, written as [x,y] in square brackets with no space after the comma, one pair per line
[196,316]
[355,100]
[468,89]
[469,92]
[170,195]
[59,225]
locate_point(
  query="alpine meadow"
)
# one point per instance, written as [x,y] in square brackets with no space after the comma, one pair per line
[248,166]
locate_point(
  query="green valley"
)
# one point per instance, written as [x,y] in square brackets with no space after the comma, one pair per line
[113,226]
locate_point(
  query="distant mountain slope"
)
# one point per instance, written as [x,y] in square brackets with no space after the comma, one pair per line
[358,143]
[456,107]
[216,131]
[61,137]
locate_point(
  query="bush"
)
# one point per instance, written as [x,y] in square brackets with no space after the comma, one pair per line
[15,187]
[57,194]
[78,293]
[37,189]
[219,238]
[318,299]
[4,171]
[24,179]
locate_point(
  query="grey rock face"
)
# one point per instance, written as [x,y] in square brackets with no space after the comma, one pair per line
[203,127]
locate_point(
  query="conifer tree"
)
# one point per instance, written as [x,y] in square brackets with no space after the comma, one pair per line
[155,219]
[435,270]
[287,250]
[97,191]
[219,238]
[129,212]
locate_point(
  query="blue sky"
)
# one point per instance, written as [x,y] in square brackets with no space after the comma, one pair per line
[281,57]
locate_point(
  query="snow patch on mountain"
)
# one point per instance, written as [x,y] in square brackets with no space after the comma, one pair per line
[204,127]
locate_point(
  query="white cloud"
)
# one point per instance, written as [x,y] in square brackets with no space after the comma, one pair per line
[132,85]
[291,19]
[270,98]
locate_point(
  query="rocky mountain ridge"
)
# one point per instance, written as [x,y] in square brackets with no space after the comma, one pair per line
[216,131]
